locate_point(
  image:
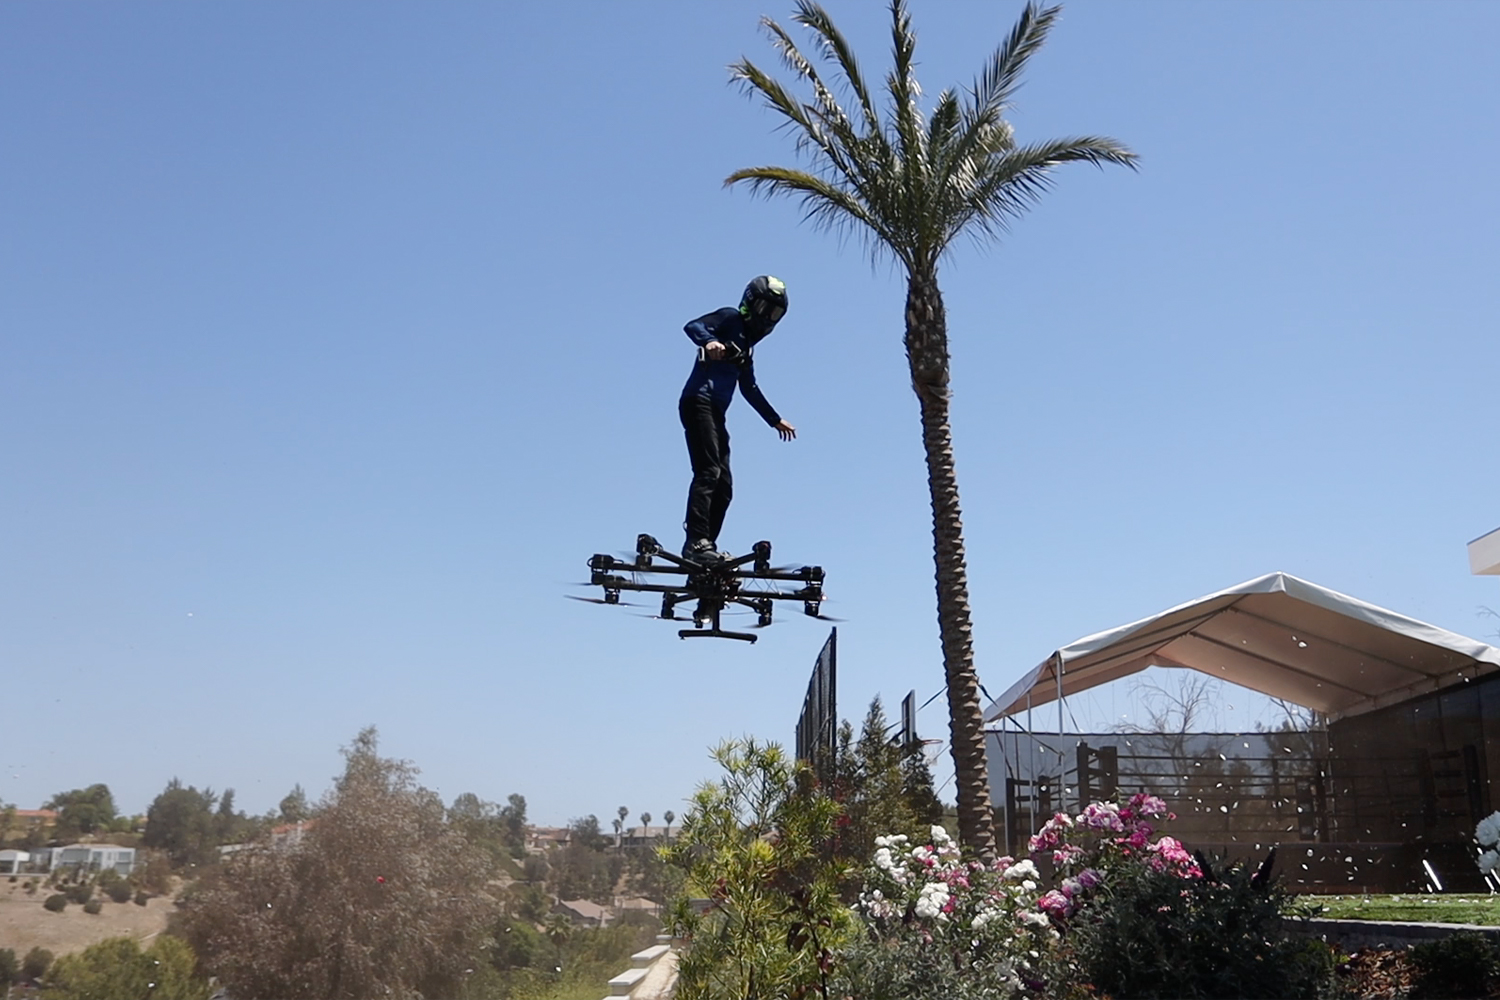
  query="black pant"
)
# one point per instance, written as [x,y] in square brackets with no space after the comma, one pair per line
[708,448]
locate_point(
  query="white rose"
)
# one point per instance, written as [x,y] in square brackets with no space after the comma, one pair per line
[939,835]
[1488,830]
[1022,869]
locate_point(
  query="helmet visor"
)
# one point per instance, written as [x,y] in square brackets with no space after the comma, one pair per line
[767,310]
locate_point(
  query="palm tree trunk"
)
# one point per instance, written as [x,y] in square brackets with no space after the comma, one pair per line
[927,356]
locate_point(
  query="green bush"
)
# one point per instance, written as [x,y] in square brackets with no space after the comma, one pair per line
[141,896]
[119,892]
[1153,934]
[34,966]
[79,892]
[10,969]
[56,902]
[1456,967]
[30,887]
[93,906]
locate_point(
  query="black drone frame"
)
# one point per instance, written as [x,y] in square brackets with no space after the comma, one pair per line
[714,585]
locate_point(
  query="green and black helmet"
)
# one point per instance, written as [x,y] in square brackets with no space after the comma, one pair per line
[764,301]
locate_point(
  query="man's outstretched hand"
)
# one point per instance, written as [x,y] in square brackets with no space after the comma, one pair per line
[786,430]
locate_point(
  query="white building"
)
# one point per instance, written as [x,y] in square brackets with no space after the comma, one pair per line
[93,857]
[1484,554]
[12,862]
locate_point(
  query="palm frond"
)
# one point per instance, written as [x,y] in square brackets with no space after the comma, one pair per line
[823,202]
[910,184]
[1015,181]
[809,130]
[906,123]
[836,47]
[1002,76]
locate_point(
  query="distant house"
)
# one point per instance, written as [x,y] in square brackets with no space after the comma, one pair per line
[584,912]
[90,857]
[291,834]
[643,836]
[540,839]
[287,835]
[33,819]
[637,904]
[12,862]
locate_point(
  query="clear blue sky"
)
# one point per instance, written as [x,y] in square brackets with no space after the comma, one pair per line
[334,338]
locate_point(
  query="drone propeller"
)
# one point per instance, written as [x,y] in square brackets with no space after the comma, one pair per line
[600,600]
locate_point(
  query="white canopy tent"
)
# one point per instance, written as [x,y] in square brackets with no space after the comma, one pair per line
[1277,635]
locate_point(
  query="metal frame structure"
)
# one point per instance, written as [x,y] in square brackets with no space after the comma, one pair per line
[748,580]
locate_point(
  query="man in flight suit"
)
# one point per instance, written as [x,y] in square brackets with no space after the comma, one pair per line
[726,340]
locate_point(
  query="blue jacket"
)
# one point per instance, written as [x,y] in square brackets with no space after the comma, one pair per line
[715,380]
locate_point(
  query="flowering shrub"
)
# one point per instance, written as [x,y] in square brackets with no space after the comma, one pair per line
[1127,913]
[1488,835]
[938,925]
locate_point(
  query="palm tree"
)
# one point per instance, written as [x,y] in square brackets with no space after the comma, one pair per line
[646,823]
[910,183]
[669,816]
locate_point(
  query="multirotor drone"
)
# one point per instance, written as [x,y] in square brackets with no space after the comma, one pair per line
[749,580]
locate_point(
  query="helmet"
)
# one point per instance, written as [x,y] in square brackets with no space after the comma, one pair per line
[764,301]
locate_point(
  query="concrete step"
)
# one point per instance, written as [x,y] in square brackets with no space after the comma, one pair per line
[643,959]
[621,985]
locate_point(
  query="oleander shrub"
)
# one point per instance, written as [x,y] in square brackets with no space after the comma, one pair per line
[93,906]
[1457,967]
[36,963]
[1151,934]
[56,902]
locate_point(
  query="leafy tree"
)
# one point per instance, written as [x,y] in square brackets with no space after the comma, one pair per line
[585,831]
[758,845]
[534,868]
[513,819]
[529,902]
[83,810]
[36,963]
[182,823]
[916,778]
[870,785]
[382,896]
[118,968]
[294,808]
[152,873]
[559,930]
[911,183]
[580,870]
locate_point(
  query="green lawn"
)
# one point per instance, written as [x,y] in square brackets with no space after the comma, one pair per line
[1446,909]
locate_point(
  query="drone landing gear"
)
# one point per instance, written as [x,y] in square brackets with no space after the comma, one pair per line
[711,618]
[748,581]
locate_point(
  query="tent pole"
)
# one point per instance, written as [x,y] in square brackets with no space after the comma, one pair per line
[1031,799]
[1062,760]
